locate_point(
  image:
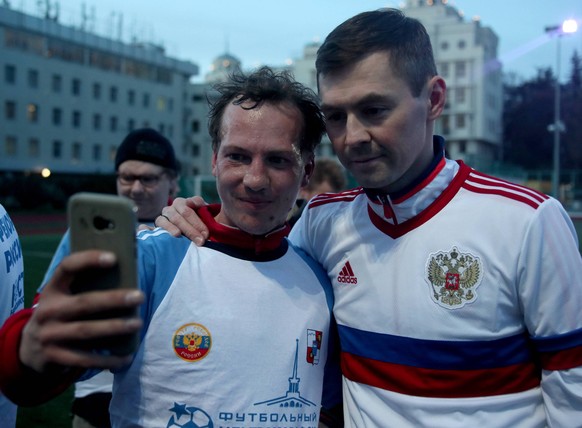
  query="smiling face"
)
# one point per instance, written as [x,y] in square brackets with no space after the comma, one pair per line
[151,193]
[379,130]
[258,166]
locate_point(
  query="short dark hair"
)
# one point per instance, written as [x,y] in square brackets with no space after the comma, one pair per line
[265,85]
[404,38]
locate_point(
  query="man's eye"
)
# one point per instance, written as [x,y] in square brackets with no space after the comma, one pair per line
[277,160]
[374,111]
[334,117]
[235,157]
[148,179]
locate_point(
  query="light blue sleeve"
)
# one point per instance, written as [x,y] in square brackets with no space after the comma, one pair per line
[63,250]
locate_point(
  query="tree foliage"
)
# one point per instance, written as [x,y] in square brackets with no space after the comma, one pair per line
[529,114]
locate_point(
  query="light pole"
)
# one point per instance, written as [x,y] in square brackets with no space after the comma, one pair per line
[567,27]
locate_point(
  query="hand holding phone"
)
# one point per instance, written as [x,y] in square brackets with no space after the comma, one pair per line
[106,222]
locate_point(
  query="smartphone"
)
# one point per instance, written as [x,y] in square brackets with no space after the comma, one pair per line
[106,222]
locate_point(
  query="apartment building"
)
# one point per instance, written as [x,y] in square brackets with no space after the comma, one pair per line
[466,56]
[68,96]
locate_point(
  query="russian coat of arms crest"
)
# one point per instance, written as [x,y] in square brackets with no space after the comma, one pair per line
[453,277]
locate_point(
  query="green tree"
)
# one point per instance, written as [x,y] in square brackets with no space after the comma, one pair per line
[529,112]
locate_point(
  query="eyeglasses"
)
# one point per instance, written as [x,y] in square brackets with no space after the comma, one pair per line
[149,180]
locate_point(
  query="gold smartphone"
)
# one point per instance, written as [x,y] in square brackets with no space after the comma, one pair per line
[106,222]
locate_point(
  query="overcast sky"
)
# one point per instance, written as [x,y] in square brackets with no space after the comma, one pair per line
[273,31]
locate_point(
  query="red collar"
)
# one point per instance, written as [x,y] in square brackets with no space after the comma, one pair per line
[238,238]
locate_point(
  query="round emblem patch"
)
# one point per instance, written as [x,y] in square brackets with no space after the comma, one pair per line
[192,342]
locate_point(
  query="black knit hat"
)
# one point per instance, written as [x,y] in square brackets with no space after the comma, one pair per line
[147,145]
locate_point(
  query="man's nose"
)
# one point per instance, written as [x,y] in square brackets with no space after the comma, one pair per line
[256,177]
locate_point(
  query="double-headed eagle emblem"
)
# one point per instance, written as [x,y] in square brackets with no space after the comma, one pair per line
[454,277]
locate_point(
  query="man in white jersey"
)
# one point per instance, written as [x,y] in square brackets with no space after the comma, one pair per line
[235,333]
[11,293]
[457,294]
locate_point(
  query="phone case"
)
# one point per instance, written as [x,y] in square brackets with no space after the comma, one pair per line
[106,222]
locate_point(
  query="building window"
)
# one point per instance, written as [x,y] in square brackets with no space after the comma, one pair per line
[462,44]
[56,83]
[76,119]
[57,116]
[77,152]
[146,100]
[161,104]
[195,150]
[33,148]
[113,94]
[10,74]
[197,98]
[10,110]
[32,112]
[131,97]
[170,104]
[112,152]
[96,152]
[113,123]
[76,87]
[96,121]
[96,91]
[446,125]
[11,146]
[460,121]
[33,78]
[460,69]
[130,125]
[195,126]
[57,149]
[444,69]
[462,146]
[444,46]
[460,95]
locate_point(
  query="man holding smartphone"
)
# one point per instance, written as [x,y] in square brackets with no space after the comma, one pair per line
[237,331]
[147,173]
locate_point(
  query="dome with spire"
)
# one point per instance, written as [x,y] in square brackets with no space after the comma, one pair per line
[223,66]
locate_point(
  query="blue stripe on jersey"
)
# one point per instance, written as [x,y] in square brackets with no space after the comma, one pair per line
[558,342]
[436,354]
[319,273]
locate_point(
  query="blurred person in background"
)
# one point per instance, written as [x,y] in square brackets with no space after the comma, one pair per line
[328,177]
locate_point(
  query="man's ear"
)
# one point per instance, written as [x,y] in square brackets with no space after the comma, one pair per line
[308,170]
[437,96]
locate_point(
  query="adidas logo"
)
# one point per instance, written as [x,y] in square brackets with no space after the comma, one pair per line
[347,275]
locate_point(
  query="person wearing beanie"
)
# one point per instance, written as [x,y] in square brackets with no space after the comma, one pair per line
[147,172]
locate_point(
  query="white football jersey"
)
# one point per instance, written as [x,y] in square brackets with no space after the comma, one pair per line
[457,303]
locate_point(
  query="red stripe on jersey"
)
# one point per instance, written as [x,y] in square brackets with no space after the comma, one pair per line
[562,360]
[440,383]
[501,192]
[476,176]
[439,167]
[327,198]
[485,184]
